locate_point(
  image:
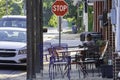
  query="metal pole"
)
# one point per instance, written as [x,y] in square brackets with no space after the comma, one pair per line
[60,30]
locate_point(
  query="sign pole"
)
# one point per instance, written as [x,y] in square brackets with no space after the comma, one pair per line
[59,30]
[59,8]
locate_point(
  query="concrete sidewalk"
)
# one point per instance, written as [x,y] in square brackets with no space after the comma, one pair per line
[74,76]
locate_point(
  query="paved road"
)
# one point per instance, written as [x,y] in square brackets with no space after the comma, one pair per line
[9,72]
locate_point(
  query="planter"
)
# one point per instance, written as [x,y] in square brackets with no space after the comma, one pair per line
[107,71]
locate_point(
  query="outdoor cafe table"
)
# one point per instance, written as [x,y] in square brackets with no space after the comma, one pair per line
[71,50]
[68,51]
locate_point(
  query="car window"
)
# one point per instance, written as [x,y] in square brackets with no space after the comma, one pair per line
[12,36]
[95,36]
[13,22]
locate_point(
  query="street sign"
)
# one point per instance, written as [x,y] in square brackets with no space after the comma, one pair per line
[59,7]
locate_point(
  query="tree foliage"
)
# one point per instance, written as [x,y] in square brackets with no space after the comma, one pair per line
[16,9]
[71,15]
[8,7]
[47,14]
[53,21]
[3,8]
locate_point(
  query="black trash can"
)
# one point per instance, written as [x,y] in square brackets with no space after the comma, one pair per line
[74,28]
[107,71]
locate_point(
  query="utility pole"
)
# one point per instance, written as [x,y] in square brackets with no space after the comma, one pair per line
[85,15]
[34,39]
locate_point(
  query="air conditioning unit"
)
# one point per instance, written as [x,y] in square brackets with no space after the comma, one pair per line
[112,16]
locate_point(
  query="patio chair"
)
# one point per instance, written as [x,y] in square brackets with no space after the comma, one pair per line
[59,61]
[94,58]
[88,60]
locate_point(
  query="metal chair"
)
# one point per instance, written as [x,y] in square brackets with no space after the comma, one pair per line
[88,59]
[93,58]
[58,62]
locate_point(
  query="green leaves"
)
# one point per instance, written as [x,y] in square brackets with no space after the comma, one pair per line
[8,7]
[53,21]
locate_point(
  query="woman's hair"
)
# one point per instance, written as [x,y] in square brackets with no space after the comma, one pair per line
[89,37]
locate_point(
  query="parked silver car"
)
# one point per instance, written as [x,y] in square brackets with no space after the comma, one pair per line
[13,21]
[12,45]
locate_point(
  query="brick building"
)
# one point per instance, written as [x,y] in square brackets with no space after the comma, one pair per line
[99,7]
[107,32]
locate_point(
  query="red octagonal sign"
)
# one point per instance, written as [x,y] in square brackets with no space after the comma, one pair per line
[60,7]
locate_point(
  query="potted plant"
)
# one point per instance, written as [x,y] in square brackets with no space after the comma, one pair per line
[100,43]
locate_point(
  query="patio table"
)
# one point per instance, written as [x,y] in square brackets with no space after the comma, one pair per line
[77,52]
[71,50]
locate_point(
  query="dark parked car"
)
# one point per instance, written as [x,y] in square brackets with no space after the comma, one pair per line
[95,35]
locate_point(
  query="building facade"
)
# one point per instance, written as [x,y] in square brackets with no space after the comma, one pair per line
[108,34]
[111,31]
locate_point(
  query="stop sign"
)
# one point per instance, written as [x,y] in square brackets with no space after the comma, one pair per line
[60,7]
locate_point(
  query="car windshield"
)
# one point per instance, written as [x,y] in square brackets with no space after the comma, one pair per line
[13,22]
[12,35]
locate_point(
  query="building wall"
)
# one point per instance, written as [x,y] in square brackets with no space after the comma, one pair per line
[106,32]
[99,7]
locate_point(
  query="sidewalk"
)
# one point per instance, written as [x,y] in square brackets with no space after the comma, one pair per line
[73,73]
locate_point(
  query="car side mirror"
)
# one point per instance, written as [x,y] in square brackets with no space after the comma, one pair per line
[45,29]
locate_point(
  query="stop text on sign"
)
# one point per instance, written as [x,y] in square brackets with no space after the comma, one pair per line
[59,7]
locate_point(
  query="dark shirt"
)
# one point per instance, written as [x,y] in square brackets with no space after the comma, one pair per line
[89,43]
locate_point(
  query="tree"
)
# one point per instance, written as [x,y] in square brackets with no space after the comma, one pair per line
[8,7]
[48,15]
[4,8]
[71,16]
[53,21]
[47,11]
[16,9]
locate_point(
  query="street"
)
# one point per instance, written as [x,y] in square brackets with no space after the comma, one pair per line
[9,72]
